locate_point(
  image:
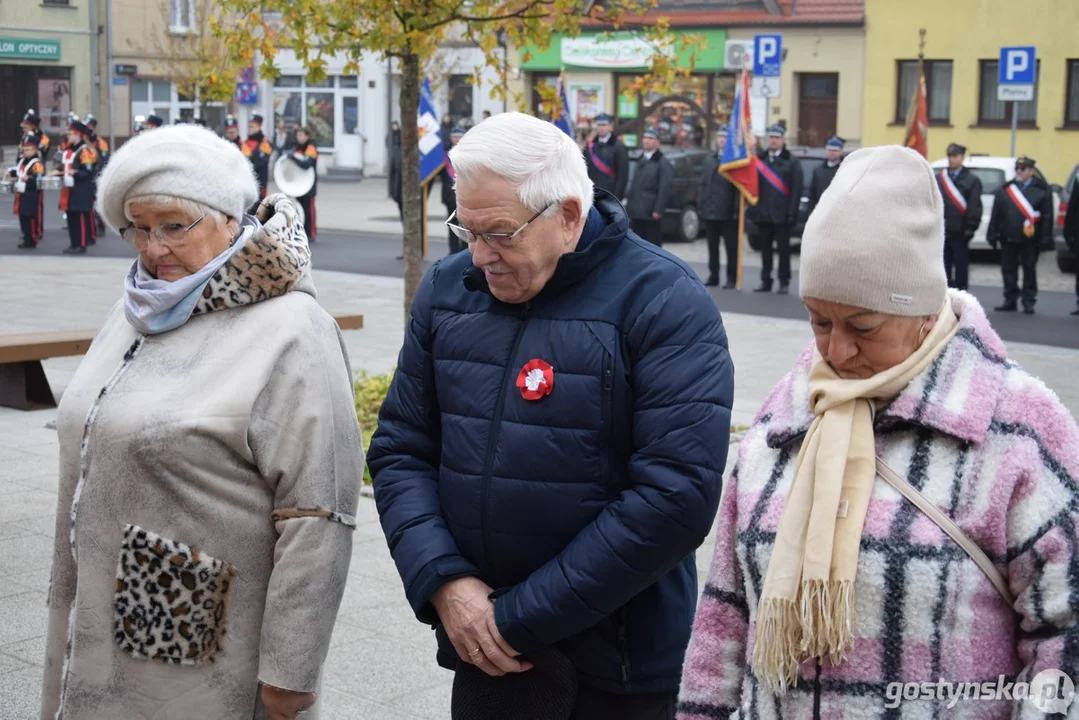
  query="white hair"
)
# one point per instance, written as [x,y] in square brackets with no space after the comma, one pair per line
[543,162]
[191,207]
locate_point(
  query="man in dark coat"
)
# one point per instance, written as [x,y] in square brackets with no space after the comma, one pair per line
[717,206]
[962,193]
[449,197]
[607,159]
[776,211]
[650,190]
[1071,235]
[551,449]
[258,150]
[393,144]
[1022,220]
[823,176]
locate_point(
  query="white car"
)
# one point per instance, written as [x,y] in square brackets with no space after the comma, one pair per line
[993,172]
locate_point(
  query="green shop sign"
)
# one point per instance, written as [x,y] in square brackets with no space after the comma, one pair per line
[29,49]
[622,51]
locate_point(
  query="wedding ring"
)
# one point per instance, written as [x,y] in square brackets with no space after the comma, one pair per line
[473,653]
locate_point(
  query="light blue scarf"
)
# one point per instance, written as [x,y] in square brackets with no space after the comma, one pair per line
[155,306]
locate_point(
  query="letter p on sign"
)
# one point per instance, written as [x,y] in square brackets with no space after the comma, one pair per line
[1017,66]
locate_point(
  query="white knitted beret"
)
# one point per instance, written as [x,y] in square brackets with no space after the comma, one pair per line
[184,161]
[876,238]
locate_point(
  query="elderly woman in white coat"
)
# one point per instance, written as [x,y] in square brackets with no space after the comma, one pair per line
[210,457]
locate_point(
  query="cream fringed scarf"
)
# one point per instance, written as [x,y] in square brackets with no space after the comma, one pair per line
[806,608]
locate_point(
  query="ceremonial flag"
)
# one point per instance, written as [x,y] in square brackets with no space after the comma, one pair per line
[431,154]
[918,118]
[562,122]
[739,163]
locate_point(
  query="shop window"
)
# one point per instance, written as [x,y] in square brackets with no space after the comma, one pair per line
[460,90]
[938,88]
[993,112]
[297,102]
[539,108]
[681,121]
[1071,107]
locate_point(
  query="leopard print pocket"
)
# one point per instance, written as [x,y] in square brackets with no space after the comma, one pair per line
[171,600]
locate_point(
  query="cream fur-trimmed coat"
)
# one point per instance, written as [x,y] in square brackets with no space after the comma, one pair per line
[208,481]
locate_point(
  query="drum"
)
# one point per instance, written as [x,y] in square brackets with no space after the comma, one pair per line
[7,187]
[50,183]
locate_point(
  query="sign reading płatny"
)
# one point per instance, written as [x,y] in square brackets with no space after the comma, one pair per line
[29,49]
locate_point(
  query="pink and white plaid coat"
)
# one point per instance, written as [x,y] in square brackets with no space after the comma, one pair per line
[991,446]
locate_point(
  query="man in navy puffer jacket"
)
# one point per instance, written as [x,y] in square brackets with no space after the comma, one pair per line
[551,450]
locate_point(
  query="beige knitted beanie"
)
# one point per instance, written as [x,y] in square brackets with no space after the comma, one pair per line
[876,238]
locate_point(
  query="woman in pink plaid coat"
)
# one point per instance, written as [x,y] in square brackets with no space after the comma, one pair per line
[830,594]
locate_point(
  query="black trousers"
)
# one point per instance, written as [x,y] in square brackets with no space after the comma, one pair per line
[595,704]
[1012,257]
[957,260]
[308,203]
[29,225]
[80,228]
[650,230]
[728,230]
[779,236]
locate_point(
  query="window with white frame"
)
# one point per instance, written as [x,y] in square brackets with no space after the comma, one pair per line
[182,16]
[299,102]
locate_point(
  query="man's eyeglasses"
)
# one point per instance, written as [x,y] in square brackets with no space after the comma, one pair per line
[172,235]
[499,240]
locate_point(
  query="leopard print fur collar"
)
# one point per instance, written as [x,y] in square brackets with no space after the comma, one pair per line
[272,262]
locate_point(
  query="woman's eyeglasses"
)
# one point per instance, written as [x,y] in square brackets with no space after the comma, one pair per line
[172,235]
[503,241]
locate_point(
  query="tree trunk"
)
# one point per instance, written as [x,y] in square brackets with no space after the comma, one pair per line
[410,178]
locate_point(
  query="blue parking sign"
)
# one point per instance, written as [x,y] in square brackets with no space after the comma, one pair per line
[767,55]
[1018,66]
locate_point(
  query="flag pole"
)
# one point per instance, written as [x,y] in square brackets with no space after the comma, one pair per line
[423,215]
[741,237]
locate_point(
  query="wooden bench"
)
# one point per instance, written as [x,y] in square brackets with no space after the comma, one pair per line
[23,384]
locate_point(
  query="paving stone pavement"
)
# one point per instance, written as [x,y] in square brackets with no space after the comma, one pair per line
[381,661]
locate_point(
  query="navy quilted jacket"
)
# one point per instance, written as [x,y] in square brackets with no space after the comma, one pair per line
[581,509]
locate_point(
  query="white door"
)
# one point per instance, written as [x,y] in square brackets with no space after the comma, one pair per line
[348,145]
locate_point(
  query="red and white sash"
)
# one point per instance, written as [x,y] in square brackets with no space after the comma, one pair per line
[1032,216]
[952,192]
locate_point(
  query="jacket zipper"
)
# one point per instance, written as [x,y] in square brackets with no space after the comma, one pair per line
[623,643]
[607,417]
[496,422]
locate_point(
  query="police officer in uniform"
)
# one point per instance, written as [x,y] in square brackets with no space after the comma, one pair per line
[29,198]
[79,181]
[650,190]
[823,176]
[101,145]
[257,149]
[232,132]
[777,208]
[962,193]
[607,159]
[449,195]
[717,206]
[1022,220]
[305,154]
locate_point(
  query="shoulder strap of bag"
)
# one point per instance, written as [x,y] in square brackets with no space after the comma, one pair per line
[945,523]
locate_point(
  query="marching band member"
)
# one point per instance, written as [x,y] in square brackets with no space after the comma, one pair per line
[29,198]
[152,122]
[257,150]
[305,154]
[101,147]
[232,131]
[1022,216]
[31,123]
[76,198]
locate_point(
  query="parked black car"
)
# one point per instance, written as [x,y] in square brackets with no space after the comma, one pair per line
[811,159]
[680,219]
